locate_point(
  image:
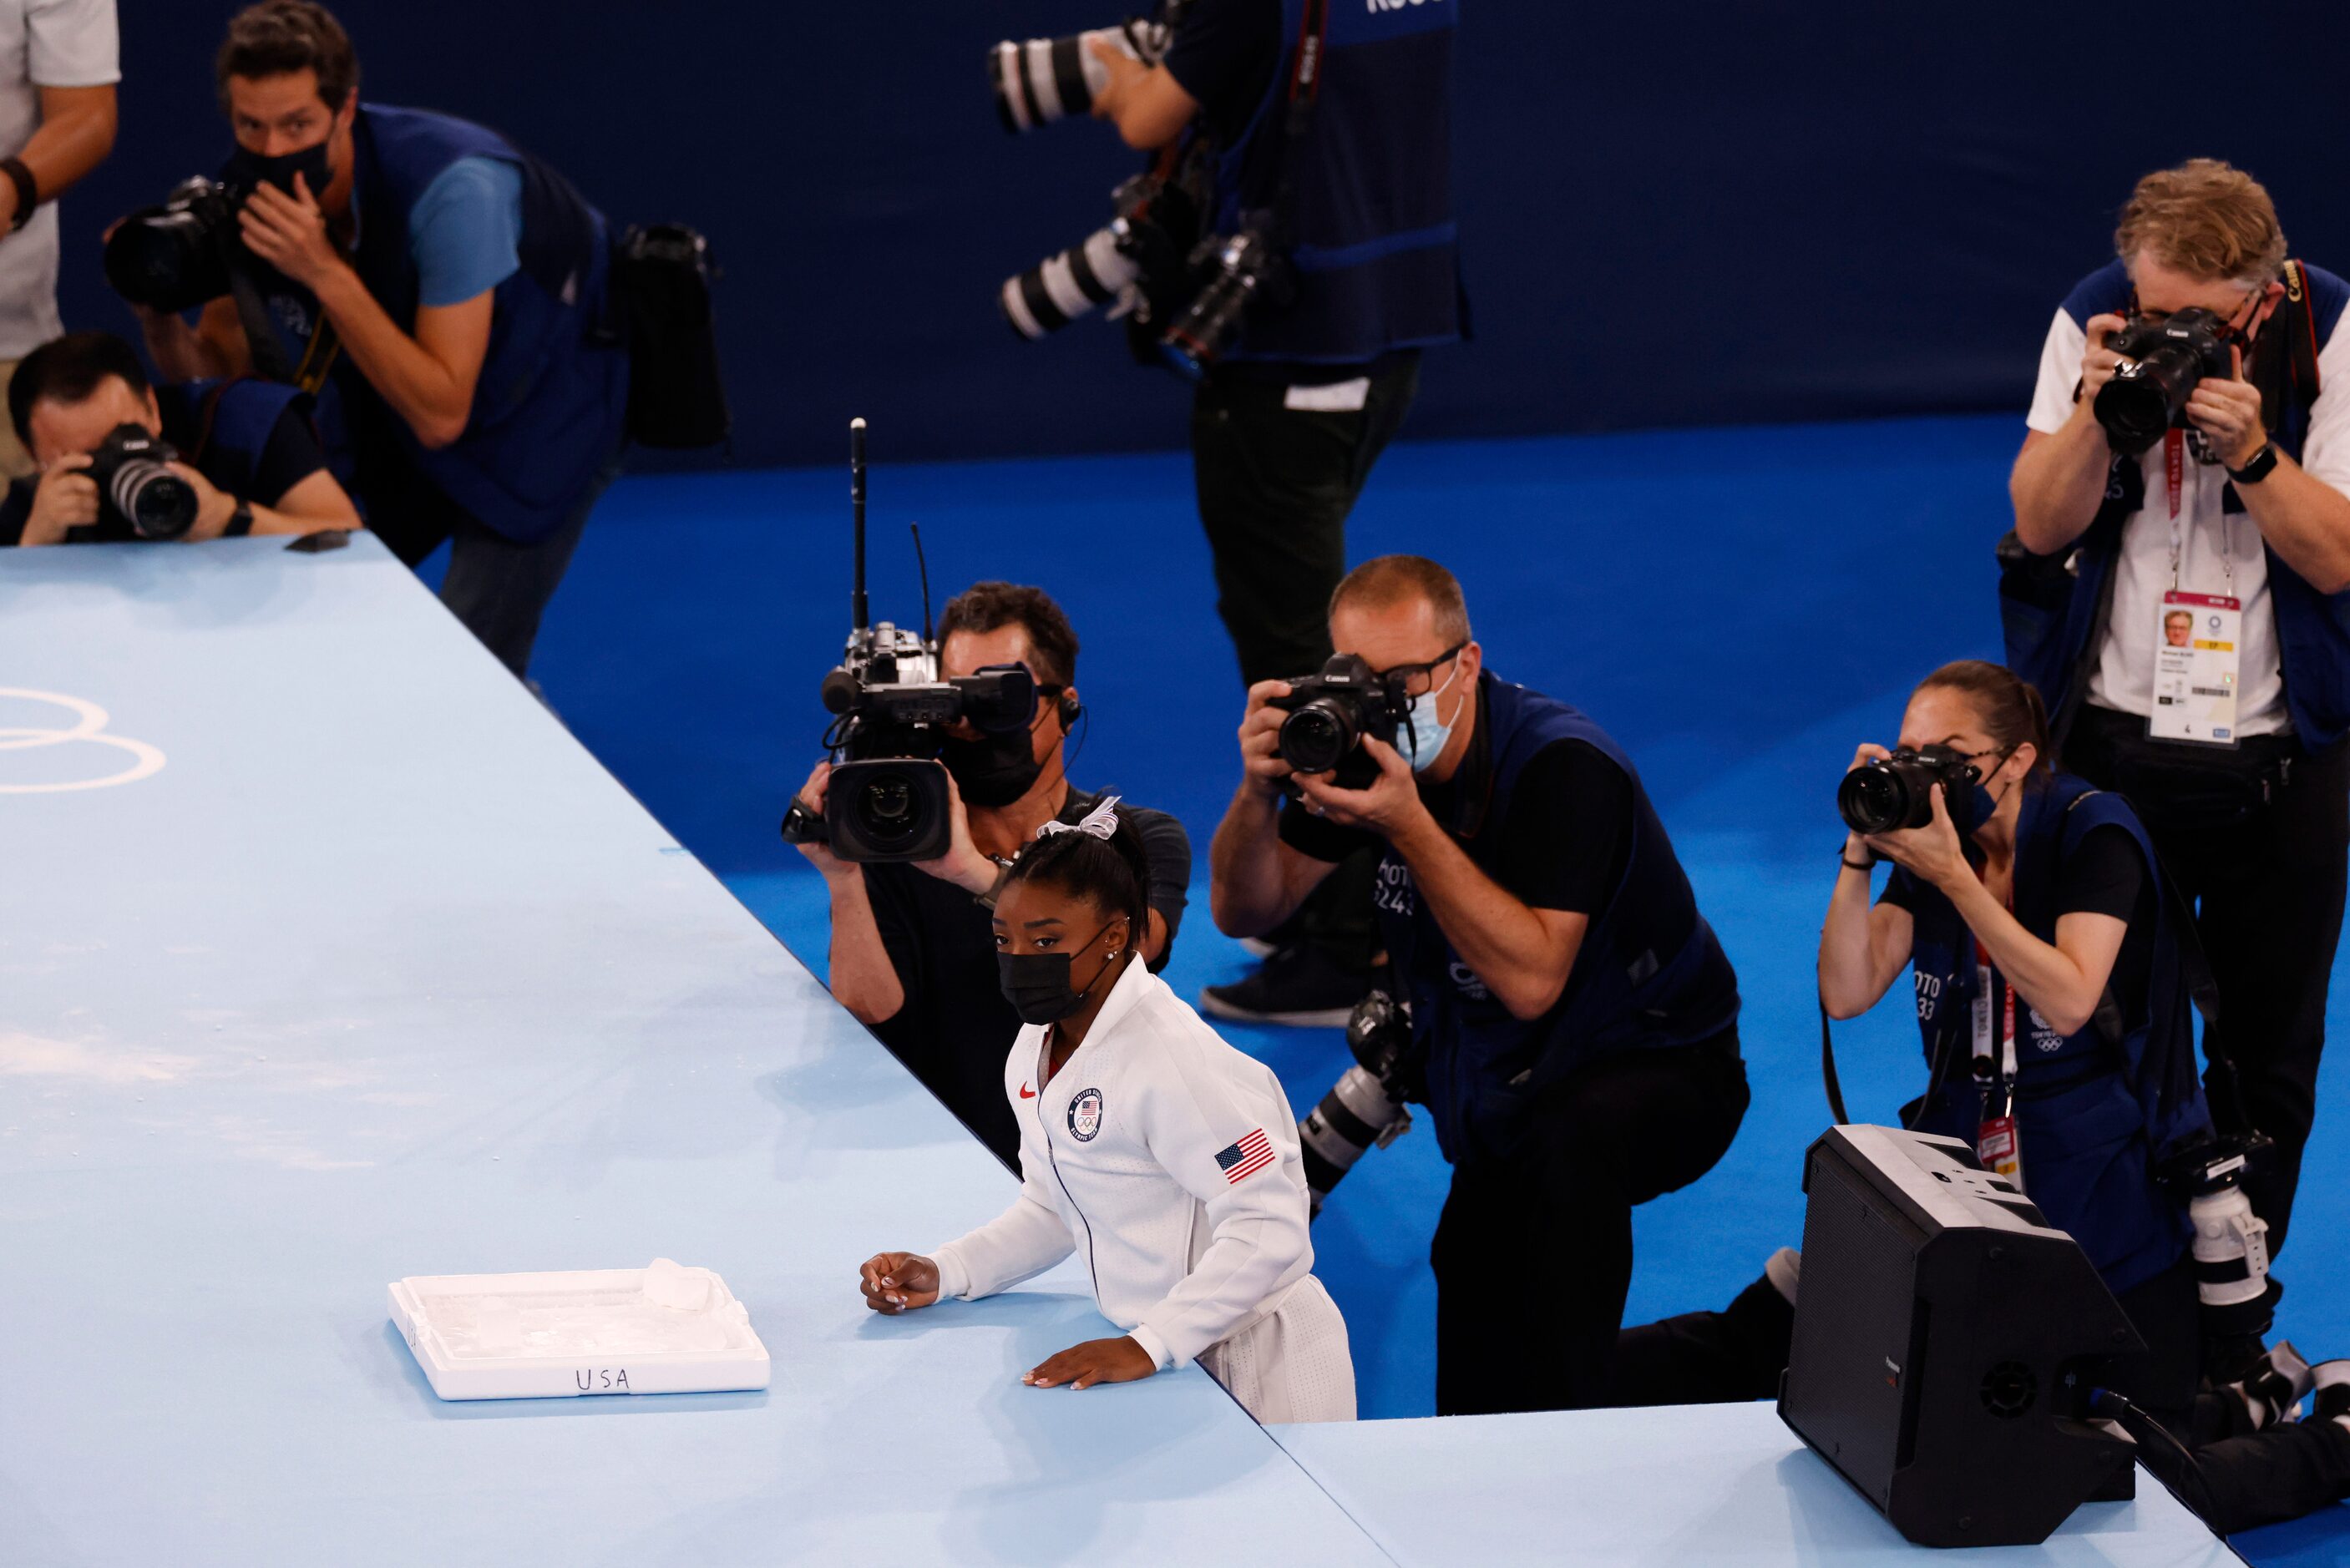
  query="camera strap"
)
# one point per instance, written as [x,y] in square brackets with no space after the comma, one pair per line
[252,314]
[1305,87]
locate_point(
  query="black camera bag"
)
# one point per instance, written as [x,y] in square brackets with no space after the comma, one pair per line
[660,288]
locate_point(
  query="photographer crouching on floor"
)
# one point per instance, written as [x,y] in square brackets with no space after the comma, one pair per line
[119,461]
[2190,451]
[443,294]
[913,954]
[1573,1019]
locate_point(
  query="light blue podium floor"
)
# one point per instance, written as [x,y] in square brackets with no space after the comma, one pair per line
[378,974]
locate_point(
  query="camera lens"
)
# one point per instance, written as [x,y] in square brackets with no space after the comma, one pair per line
[1314,737]
[1872,799]
[155,502]
[1060,289]
[885,811]
[2143,398]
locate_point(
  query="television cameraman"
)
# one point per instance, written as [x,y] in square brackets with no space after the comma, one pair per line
[1287,423]
[448,294]
[914,951]
[250,456]
[2231,750]
[2053,989]
[58,64]
[1576,1018]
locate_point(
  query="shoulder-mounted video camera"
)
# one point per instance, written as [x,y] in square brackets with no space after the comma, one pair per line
[888,798]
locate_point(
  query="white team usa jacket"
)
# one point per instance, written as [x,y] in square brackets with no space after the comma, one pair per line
[1163,1157]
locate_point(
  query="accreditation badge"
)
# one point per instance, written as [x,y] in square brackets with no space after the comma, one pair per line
[2000,1149]
[2197,653]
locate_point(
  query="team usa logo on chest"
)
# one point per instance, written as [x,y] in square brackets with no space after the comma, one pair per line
[1084,1115]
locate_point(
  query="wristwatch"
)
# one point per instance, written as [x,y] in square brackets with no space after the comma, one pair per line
[2257,467]
[240,522]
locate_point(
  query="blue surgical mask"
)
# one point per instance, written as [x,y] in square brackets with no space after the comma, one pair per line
[1424,738]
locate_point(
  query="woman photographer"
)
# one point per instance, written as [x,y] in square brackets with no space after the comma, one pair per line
[2052,993]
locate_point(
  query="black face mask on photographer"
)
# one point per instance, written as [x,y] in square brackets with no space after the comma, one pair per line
[996,770]
[248,170]
[1037,985]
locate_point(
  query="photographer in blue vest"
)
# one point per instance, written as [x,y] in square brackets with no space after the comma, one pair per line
[1574,1020]
[2052,991]
[444,293]
[2190,451]
[1355,196]
[245,450]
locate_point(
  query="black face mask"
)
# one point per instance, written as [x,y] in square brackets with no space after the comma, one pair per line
[248,170]
[994,770]
[1037,984]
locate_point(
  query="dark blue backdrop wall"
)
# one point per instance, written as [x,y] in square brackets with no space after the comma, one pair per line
[1704,212]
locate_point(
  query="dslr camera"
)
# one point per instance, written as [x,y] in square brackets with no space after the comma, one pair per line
[1885,794]
[135,488]
[1331,711]
[1366,1107]
[887,799]
[177,256]
[2164,360]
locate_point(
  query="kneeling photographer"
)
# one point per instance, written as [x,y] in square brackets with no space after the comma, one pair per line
[2056,981]
[2189,450]
[1571,1017]
[122,461]
[914,953]
[444,294]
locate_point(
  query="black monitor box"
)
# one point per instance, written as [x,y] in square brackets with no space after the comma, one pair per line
[1945,1335]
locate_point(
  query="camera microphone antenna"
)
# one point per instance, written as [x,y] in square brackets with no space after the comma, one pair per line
[858,618]
[923,566]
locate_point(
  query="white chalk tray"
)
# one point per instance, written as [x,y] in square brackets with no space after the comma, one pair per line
[658,1330]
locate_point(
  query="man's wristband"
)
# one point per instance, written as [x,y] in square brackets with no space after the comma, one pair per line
[1851,865]
[240,522]
[29,190]
[2257,467]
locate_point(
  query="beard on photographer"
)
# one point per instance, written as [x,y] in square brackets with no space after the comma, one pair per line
[1575,1016]
[2231,745]
[443,294]
[913,954]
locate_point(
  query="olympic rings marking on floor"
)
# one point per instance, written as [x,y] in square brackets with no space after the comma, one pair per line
[89,725]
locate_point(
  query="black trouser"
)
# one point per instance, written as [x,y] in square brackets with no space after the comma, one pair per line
[1275,484]
[1534,1254]
[2268,874]
[2240,1479]
[496,587]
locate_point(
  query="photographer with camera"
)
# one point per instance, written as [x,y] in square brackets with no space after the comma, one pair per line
[57,124]
[2189,450]
[1293,247]
[110,450]
[914,953]
[443,292]
[1574,1019]
[2055,986]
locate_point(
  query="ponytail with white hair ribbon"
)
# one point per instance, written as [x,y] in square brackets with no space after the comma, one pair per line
[1099,823]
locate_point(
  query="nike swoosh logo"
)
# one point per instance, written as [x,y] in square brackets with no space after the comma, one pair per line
[1026,1093]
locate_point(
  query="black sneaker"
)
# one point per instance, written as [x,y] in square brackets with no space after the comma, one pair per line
[1301,986]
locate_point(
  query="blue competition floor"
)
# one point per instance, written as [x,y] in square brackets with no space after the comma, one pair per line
[1740,608]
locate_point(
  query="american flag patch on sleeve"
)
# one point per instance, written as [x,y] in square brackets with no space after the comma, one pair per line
[1244,1160]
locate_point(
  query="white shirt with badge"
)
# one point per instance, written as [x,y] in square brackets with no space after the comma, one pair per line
[43,43]
[2227,675]
[1168,1162]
